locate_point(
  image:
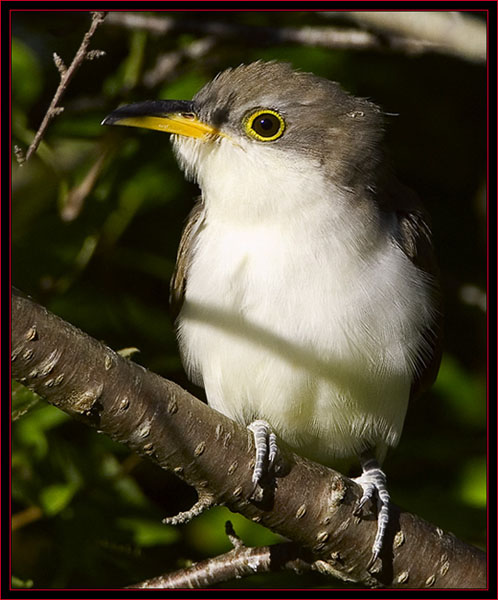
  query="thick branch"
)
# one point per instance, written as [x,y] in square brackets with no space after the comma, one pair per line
[450,32]
[310,504]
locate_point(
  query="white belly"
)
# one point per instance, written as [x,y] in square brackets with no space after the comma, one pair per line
[312,339]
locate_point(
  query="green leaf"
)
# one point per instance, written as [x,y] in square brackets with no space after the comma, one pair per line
[464,393]
[54,498]
[30,430]
[473,483]
[23,400]
[150,532]
[17,582]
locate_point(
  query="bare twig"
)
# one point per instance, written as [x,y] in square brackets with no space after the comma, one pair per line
[232,536]
[452,32]
[19,154]
[205,501]
[66,74]
[239,562]
[25,517]
[167,64]
[327,37]
[75,198]
[93,54]
[59,63]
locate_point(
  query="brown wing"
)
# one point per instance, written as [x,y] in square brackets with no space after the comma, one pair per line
[183,258]
[414,238]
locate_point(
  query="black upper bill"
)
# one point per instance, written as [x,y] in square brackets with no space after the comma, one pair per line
[150,108]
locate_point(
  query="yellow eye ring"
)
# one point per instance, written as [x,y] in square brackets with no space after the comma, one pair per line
[264,125]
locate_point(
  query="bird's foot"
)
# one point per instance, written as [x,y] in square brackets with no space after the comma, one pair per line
[373,482]
[266,450]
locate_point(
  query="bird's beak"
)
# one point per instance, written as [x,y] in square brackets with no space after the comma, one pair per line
[171,116]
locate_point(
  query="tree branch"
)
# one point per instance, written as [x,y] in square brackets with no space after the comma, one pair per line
[309,503]
[66,74]
[449,32]
[325,37]
[239,562]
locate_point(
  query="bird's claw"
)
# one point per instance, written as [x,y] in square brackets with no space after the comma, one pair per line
[373,482]
[266,450]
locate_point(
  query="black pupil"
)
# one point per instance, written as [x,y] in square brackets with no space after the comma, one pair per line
[266,125]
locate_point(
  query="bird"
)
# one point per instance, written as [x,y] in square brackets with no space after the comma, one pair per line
[306,290]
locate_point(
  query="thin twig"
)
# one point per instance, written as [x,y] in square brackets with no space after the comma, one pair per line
[232,536]
[75,198]
[204,502]
[66,74]
[242,561]
[167,64]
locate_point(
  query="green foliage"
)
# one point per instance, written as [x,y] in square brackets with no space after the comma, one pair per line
[462,392]
[149,532]
[473,483]
[27,84]
[96,219]
[19,583]
[207,533]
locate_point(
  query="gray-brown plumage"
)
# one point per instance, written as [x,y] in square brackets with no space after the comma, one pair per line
[305,288]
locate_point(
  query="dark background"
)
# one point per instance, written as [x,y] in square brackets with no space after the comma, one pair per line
[86,512]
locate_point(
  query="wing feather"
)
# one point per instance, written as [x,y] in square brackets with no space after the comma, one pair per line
[415,239]
[184,256]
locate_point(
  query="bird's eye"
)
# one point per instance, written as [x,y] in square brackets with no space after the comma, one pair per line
[265,125]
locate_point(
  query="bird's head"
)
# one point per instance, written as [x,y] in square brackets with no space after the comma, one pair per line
[265,129]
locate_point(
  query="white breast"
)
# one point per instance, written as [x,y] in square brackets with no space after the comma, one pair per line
[316,345]
[295,319]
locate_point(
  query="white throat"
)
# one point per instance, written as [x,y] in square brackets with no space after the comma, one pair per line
[255,182]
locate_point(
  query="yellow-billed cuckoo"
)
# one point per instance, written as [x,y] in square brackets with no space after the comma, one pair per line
[305,284]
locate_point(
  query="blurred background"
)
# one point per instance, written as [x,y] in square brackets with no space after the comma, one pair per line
[97,215]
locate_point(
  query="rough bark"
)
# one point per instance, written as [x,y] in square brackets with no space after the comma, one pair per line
[307,503]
